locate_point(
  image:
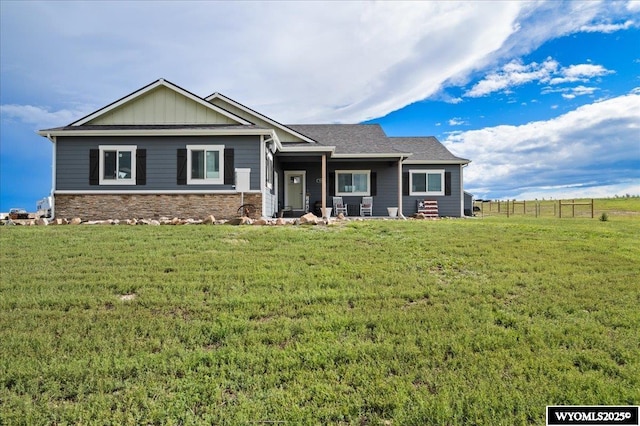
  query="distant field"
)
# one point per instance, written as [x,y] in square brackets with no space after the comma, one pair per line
[468,321]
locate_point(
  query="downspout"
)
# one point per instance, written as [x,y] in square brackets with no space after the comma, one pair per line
[263,177]
[53,175]
[324,187]
[400,213]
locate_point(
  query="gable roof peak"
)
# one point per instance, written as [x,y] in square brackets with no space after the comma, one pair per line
[255,114]
[150,87]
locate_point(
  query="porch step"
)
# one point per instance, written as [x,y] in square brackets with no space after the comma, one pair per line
[428,207]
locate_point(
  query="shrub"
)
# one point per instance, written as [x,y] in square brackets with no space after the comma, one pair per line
[604,217]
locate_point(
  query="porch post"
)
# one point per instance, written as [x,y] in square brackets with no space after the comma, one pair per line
[324,185]
[400,214]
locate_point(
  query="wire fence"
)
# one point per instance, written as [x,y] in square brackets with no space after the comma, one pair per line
[537,208]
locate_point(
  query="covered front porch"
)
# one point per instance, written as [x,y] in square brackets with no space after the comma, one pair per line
[308,181]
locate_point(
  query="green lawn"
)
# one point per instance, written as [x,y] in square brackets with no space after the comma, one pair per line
[478,321]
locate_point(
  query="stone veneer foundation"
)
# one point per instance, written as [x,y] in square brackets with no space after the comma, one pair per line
[151,206]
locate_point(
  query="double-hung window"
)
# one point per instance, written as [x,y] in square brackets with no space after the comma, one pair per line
[117,164]
[205,164]
[353,182]
[426,182]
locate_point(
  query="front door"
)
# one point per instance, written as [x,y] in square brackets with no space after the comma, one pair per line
[294,189]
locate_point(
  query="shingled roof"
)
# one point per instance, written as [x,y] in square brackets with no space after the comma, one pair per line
[425,149]
[348,138]
[371,139]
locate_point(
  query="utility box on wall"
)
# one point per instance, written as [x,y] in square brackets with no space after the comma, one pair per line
[243,180]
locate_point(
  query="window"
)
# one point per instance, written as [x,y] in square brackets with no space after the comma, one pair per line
[117,165]
[205,165]
[353,182]
[426,182]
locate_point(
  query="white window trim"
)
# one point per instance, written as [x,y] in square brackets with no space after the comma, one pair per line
[205,181]
[366,193]
[118,148]
[430,172]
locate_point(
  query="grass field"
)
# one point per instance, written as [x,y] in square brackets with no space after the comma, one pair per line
[478,321]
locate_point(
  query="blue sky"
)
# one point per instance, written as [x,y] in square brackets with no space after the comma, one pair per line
[543,97]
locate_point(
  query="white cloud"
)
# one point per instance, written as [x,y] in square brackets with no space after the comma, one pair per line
[606,27]
[589,190]
[595,140]
[513,74]
[550,72]
[294,61]
[456,121]
[39,116]
[581,72]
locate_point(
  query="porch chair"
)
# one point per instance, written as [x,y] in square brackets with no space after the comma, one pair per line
[339,206]
[366,207]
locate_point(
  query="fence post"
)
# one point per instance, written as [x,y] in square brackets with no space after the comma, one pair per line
[507,207]
[560,209]
[573,208]
[592,208]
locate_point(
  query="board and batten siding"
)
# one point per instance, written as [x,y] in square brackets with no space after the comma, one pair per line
[282,135]
[162,106]
[72,161]
[448,205]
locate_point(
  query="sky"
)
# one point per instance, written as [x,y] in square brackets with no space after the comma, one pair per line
[543,97]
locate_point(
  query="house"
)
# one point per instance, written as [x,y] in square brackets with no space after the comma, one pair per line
[163,151]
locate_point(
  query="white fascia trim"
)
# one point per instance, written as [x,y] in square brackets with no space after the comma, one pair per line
[286,149]
[260,116]
[436,162]
[157,132]
[151,192]
[387,155]
[160,82]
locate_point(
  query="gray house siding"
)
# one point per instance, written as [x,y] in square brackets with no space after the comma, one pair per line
[448,205]
[72,161]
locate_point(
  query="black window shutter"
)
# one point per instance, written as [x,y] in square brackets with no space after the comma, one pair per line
[94,167]
[374,184]
[332,183]
[141,167]
[182,167]
[405,183]
[447,183]
[229,170]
